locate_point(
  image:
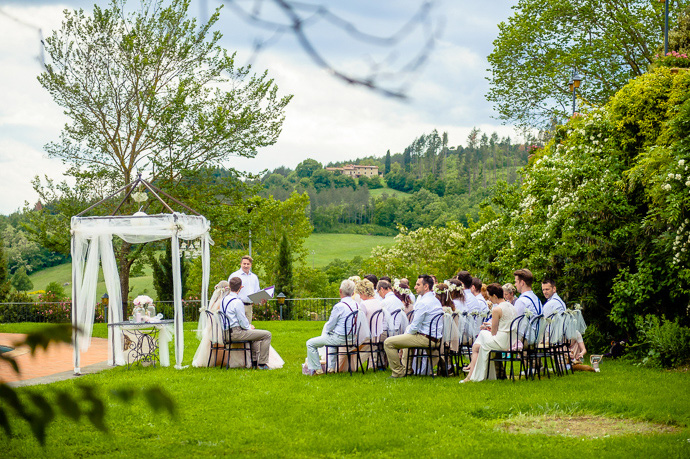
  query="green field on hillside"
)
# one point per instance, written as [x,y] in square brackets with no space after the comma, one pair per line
[322,249]
[389,191]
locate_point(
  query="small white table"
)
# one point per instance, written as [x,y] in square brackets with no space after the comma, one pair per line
[148,344]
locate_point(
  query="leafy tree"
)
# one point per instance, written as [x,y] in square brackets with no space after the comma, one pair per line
[540,45]
[284,278]
[163,274]
[152,91]
[20,280]
[306,168]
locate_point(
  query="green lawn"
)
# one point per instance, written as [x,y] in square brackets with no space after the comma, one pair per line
[324,247]
[282,413]
[389,191]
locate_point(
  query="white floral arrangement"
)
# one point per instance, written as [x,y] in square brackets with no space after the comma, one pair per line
[440,291]
[452,287]
[355,279]
[399,289]
[577,307]
[142,300]
[139,196]
[528,313]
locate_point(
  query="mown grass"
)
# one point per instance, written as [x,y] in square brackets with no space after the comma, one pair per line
[282,413]
[325,247]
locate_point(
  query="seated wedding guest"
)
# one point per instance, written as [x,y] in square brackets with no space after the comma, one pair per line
[509,293]
[443,296]
[391,303]
[403,292]
[457,296]
[528,300]
[374,280]
[481,306]
[419,331]
[407,286]
[233,307]
[470,300]
[370,303]
[484,293]
[554,304]
[209,336]
[334,330]
[201,357]
[498,338]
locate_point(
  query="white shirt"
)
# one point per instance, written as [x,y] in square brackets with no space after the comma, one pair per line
[470,301]
[554,305]
[528,301]
[392,303]
[482,306]
[460,306]
[233,307]
[250,284]
[426,308]
[336,323]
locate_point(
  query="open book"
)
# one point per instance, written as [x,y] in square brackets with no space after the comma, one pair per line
[261,295]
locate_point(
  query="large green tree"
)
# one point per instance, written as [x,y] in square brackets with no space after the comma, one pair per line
[607,41]
[152,91]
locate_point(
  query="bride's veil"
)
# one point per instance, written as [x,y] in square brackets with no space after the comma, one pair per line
[220,291]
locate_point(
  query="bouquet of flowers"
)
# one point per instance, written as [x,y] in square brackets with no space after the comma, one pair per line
[142,305]
[142,300]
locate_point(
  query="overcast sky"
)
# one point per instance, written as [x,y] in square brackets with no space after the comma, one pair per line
[327,119]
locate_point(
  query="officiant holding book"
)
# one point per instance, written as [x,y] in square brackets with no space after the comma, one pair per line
[250,284]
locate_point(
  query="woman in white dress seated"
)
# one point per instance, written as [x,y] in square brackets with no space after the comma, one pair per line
[493,337]
[206,334]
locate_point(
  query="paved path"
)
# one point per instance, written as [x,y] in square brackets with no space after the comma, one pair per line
[53,364]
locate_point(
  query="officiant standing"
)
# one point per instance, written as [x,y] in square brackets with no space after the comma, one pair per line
[250,284]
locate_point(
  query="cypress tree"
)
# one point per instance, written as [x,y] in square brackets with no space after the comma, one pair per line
[387,165]
[163,274]
[284,279]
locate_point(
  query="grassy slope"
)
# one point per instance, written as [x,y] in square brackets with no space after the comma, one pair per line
[325,248]
[389,191]
[281,413]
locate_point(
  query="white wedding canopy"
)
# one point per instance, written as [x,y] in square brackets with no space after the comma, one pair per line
[92,241]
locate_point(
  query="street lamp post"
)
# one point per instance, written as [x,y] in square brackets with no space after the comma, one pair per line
[574,84]
[281,302]
[665,26]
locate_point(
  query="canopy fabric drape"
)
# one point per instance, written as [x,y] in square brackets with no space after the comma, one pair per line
[92,242]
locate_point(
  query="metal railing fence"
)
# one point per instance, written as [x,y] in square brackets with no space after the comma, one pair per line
[60,312]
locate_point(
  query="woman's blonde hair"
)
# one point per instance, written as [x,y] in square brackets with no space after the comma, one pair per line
[364,287]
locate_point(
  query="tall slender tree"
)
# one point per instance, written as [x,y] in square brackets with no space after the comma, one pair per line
[152,91]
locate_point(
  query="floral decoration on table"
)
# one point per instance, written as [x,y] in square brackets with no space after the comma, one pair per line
[144,310]
[142,300]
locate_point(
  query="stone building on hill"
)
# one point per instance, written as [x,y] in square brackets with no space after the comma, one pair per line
[355,170]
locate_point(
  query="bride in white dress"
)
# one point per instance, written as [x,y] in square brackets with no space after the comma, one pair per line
[206,334]
[494,337]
